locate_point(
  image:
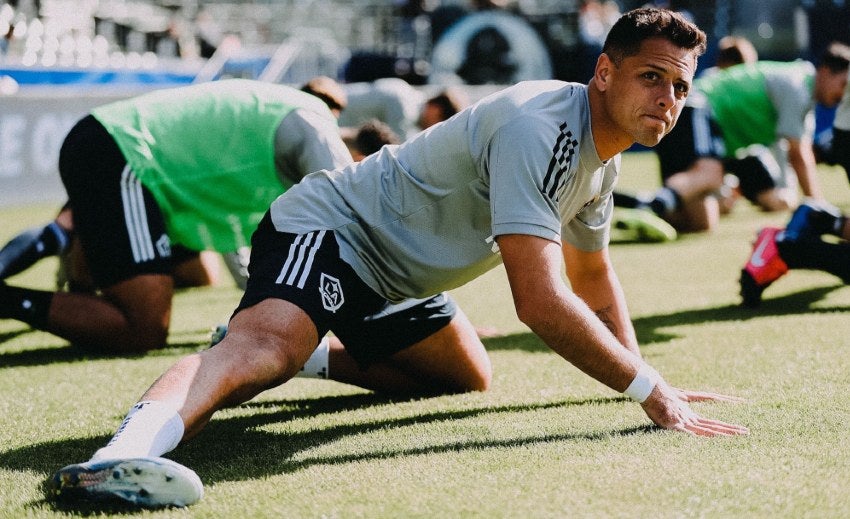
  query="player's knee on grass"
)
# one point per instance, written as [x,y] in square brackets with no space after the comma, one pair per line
[701,215]
[145,304]
[760,178]
[147,335]
[453,360]
[774,199]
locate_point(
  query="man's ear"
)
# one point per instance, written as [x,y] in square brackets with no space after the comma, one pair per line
[602,73]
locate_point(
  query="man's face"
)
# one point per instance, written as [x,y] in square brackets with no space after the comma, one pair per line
[646,92]
[829,86]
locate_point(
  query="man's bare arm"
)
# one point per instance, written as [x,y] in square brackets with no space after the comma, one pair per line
[593,279]
[568,326]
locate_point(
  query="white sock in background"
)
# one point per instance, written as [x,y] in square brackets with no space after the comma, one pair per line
[668,198]
[317,365]
[150,429]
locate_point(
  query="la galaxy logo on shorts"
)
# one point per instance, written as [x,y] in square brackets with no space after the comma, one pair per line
[331,290]
[163,245]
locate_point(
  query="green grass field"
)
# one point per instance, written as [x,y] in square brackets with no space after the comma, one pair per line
[546,441]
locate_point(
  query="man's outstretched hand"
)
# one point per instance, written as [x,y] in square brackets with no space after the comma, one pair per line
[668,408]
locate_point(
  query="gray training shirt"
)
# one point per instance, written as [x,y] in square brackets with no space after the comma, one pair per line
[421,217]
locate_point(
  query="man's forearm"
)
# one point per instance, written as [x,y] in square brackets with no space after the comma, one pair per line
[605,297]
[621,327]
[802,159]
[584,341]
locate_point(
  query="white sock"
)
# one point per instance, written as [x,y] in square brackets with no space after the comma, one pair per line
[317,365]
[668,198]
[150,429]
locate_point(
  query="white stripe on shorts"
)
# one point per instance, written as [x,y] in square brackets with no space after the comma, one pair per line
[304,244]
[702,132]
[135,217]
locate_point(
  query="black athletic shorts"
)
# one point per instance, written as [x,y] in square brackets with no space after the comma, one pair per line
[757,170]
[841,149]
[697,135]
[119,223]
[306,270]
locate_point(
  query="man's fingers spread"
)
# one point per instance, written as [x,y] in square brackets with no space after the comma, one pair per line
[704,427]
[698,396]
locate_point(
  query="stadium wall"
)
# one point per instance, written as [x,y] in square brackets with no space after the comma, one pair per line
[33,125]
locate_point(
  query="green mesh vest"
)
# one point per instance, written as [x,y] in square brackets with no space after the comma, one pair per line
[206,154]
[740,103]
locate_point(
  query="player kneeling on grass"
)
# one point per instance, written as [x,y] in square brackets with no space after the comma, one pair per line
[190,169]
[800,245]
[522,178]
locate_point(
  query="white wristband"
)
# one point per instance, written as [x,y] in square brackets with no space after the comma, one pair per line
[643,384]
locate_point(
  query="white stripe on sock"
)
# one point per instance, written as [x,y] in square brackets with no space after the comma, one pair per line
[150,429]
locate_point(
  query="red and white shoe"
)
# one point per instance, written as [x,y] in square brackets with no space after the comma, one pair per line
[763,267]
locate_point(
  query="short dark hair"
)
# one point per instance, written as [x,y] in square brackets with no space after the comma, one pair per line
[634,27]
[450,101]
[328,90]
[372,135]
[733,50]
[836,57]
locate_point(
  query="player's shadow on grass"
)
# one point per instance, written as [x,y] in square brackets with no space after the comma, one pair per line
[263,453]
[649,328]
[239,448]
[8,336]
[54,354]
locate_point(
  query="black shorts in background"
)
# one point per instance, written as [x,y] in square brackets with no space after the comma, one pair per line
[696,135]
[117,220]
[841,149]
